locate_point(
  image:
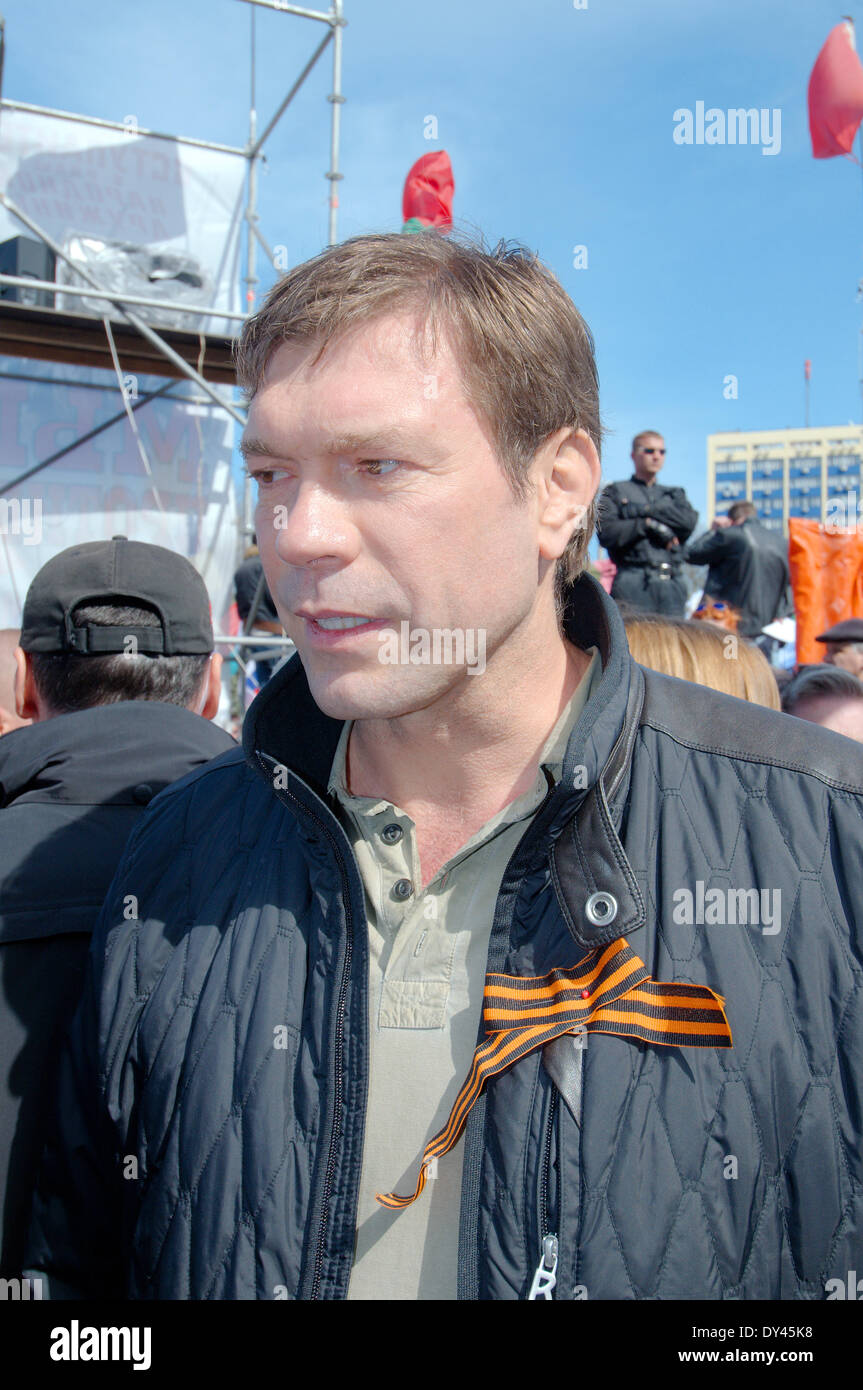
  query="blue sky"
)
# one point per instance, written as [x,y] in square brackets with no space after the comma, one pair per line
[703,261]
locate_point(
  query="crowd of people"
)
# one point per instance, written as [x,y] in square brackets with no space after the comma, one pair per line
[646,528]
[242,987]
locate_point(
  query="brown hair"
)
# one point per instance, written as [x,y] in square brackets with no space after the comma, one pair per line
[741,509]
[526,354]
[698,652]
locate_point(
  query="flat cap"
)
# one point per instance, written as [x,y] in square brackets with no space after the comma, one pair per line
[851,630]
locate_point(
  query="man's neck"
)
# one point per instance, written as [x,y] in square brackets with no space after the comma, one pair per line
[454,765]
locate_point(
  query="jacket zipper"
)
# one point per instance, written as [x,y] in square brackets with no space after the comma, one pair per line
[545,1274]
[340,1014]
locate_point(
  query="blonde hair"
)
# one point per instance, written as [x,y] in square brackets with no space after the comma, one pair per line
[526,355]
[704,654]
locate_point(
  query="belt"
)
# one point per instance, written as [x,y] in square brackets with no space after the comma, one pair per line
[663,567]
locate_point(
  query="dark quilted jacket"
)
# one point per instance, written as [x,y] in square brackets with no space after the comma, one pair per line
[196,1159]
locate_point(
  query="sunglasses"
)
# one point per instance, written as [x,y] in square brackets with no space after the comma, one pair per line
[652,451]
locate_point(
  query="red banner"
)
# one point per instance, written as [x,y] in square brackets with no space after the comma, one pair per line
[827,579]
[835,95]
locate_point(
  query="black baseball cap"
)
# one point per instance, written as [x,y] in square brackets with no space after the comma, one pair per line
[118,571]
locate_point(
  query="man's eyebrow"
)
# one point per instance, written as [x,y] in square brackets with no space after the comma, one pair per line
[252,447]
[379,442]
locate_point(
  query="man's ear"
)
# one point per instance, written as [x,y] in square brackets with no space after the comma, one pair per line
[10,721]
[567,473]
[212,687]
[28,705]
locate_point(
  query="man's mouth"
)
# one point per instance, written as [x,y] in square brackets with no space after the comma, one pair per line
[338,624]
[329,626]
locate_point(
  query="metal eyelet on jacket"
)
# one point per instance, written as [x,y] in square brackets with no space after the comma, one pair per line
[601,909]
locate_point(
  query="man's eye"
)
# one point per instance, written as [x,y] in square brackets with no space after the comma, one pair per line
[377,467]
[265,477]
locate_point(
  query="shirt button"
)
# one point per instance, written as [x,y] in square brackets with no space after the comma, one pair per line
[402,888]
[391,834]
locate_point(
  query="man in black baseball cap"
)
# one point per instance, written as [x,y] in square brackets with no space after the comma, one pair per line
[115,665]
[844,645]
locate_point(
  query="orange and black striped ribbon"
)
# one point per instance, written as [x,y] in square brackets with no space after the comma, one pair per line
[610,992]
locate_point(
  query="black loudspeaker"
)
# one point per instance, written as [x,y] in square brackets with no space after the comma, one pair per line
[25,257]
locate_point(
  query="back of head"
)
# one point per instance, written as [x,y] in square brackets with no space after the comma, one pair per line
[742,511]
[117,620]
[820,682]
[68,682]
[704,654]
[829,696]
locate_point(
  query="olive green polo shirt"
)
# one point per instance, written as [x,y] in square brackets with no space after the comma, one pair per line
[428,949]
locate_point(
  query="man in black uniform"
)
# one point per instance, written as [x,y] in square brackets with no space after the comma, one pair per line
[643,526]
[748,567]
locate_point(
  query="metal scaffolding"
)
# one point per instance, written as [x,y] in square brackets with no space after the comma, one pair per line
[41,333]
[53,336]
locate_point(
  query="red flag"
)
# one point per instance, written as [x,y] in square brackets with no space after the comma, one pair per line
[428,191]
[835,94]
[807,369]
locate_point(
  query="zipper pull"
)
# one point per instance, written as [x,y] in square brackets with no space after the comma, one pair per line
[545,1277]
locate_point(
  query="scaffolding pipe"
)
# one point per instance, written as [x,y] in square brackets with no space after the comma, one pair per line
[95,385]
[243,639]
[251,228]
[27,282]
[136,322]
[291,9]
[118,125]
[337,101]
[255,146]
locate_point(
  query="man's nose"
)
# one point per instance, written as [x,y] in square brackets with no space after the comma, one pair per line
[315,526]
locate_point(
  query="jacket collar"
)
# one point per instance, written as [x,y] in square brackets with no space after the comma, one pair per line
[285,724]
[148,744]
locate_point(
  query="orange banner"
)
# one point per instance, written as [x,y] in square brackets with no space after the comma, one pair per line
[827,579]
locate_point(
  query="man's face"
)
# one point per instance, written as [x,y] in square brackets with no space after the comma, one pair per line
[381,500]
[842,715]
[846,655]
[649,456]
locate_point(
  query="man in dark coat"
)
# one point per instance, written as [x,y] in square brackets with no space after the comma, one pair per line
[748,567]
[643,525]
[111,729]
[250,589]
[493,967]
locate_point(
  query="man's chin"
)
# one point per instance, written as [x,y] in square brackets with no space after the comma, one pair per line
[366,695]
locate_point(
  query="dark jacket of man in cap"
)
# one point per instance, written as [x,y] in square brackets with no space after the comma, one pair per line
[748,569]
[72,787]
